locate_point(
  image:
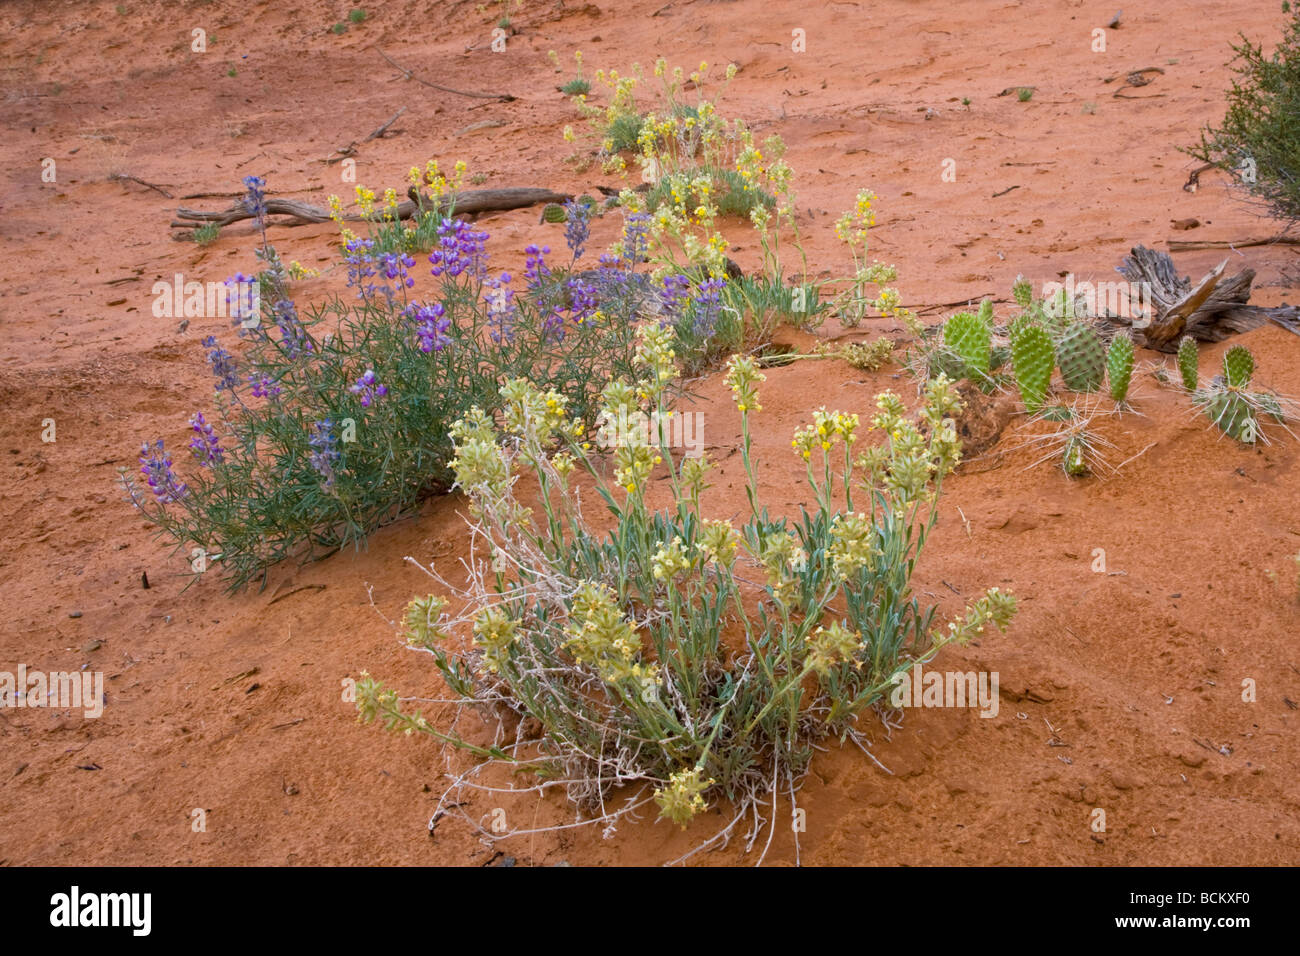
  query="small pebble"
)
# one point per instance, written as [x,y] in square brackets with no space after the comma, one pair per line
[74,614]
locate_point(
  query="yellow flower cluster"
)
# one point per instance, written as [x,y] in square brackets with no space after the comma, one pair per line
[495,632]
[825,429]
[423,621]
[533,413]
[717,541]
[742,378]
[996,607]
[828,647]
[655,350]
[670,560]
[851,549]
[683,797]
[782,556]
[600,637]
[852,227]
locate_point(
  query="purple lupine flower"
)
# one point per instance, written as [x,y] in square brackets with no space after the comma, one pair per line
[431,325]
[223,364]
[255,201]
[708,303]
[156,466]
[395,266]
[500,301]
[636,238]
[359,255]
[325,456]
[244,302]
[369,388]
[460,249]
[577,227]
[674,292]
[584,298]
[263,386]
[205,445]
[292,332]
[535,268]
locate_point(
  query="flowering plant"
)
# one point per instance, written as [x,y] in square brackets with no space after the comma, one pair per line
[682,659]
[333,419]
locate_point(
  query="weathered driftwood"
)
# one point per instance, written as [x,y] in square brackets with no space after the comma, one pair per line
[301,213]
[1209,311]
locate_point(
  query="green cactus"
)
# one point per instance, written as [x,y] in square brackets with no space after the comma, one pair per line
[1238,366]
[554,212]
[1233,414]
[1074,461]
[971,337]
[1081,356]
[1033,360]
[946,361]
[986,312]
[1022,291]
[1187,355]
[1119,365]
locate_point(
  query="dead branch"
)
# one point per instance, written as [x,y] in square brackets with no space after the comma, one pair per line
[408,75]
[301,213]
[123,177]
[1209,311]
[1188,245]
[351,148]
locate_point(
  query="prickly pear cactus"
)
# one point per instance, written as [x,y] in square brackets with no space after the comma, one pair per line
[1032,359]
[1081,356]
[1238,366]
[946,361]
[1119,365]
[1073,459]
[1187,355]
[1022,291]
[1233,415]
[986,312]
[971,337]
[554,212]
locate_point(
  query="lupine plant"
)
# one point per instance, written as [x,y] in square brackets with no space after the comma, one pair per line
[679,659]
[335,419]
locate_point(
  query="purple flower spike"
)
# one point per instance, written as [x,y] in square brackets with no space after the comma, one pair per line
[207,449]
[369,388]
[325,456]
[223,364]
[431,325]
[156,467]
[460,250]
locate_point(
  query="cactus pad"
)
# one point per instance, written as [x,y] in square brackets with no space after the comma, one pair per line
[971,337]
[1033,360]
[1081,356]
[1119,365]
[1238,366]
[1073,459]
[1187,355]
[1233,415]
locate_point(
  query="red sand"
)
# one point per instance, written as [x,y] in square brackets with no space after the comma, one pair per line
[1120,690]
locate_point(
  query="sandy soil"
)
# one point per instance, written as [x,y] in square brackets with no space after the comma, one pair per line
[1119,690]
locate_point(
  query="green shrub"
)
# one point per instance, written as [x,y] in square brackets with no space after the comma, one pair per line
[1259,139]
[678,658]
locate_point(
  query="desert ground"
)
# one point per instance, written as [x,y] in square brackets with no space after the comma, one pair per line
[1120,689]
